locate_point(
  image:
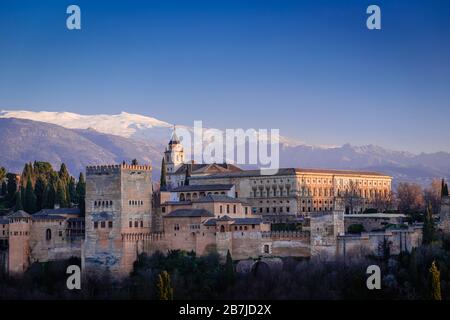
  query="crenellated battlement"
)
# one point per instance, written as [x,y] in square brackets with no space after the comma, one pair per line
[115,168]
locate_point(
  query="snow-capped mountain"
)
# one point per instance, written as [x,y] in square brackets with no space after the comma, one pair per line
[125,124]
[124,136]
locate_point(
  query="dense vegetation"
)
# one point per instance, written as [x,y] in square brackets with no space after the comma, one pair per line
[41,187]
[182,275]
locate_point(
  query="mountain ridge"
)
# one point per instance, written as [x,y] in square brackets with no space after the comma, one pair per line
[114,138]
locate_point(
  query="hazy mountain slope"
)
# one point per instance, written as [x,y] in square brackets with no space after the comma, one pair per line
[24,140]
[113,138]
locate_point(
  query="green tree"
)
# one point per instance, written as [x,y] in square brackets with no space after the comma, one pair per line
[29,202]
[435,282]
[4,191]
[12,188]
[72,188]
[163,182]
[134,162]
[27,173]
[428,227]
[81,192]
[445,190]
[165,291]
[61,194]
[18,198]
[49,196]
[64,174]
[2,173]
[355,228]
[229,269]
[42,168]
[39,190]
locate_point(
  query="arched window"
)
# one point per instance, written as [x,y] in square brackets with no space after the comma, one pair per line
[48,234]
[222,228]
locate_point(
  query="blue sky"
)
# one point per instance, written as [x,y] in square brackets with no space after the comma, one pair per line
[310,68]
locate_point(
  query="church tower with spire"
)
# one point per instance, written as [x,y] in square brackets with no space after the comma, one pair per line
[174,157]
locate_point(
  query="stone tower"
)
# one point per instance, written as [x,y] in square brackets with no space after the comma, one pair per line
[118,216]
[174,157]
[19,242]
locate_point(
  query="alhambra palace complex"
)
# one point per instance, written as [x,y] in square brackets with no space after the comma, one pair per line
[208,208]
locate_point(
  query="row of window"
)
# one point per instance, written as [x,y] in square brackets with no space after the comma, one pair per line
[17,233]
[103,203]
[103,224]
[274,209]
[271,192]
[136,202]
[273,181]
[315,209]
[315,201]
[136,224]
[176,227]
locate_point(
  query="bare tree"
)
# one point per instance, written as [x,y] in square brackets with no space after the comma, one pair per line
[352,198]
[432,195]
[383,201]
[410,197]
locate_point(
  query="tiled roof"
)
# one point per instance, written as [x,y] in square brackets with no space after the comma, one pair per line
[216,198]
[4,220]
[189,213]
[225,218]
[74,211]
[247,221]
[203,187]
[19,214]
[199,168]
[284,172]
[76,219]
[43,216]
[210,222]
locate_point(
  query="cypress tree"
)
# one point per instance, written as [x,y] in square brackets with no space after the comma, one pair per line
[39,191]
[72,190]
[12,188]
[50,196]
[64,174]
[81,192]
[30,198]
[165,291]
[61,195]
[446,190]
[435,282]
[4,188]
[428,226]
[163,182]
[18,198]
[134,162]
[229,269]
[442,187]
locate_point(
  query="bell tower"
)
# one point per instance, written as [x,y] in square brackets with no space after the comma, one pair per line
[174,155]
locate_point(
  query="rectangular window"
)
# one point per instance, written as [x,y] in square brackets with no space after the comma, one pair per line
[142,224]
[228,208]
[246,210]
[103,224]
[110,224]
[234,208]
[131,224]
[136,224]
[95,225]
